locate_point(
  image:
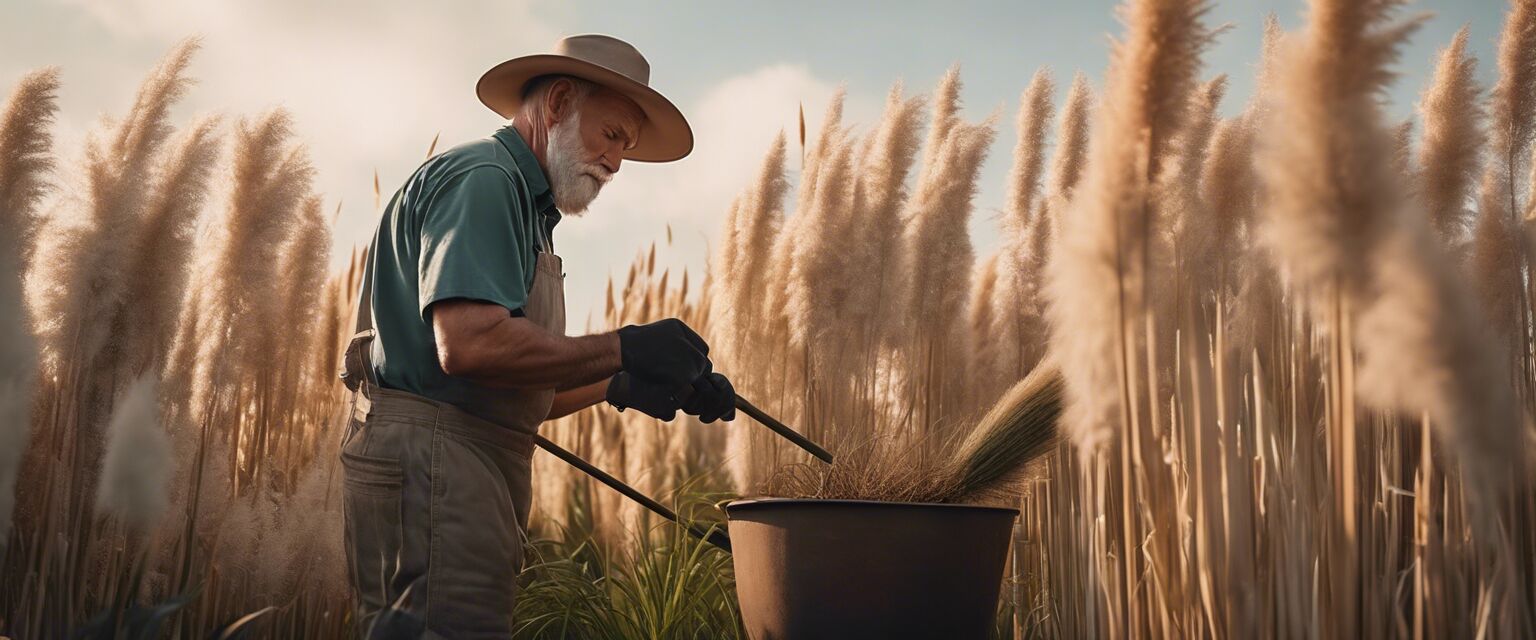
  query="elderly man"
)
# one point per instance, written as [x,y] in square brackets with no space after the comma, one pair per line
[461,352]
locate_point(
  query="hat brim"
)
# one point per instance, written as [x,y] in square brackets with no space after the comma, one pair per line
[664,136]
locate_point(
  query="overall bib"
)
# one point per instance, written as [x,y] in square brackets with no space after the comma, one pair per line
[436,496]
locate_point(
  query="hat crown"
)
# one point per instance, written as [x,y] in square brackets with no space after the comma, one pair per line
[609,52]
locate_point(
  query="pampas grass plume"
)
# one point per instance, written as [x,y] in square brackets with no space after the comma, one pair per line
[1450,154]
[138,461]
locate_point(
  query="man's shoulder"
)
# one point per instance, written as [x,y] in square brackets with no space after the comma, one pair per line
[482,158]
[484,152]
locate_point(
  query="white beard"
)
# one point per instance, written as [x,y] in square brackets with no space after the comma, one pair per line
[574,183]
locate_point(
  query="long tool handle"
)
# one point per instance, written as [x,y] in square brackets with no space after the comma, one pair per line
[783,430]
[715,537]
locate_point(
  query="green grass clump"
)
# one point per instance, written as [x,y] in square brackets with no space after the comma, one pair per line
[665,584]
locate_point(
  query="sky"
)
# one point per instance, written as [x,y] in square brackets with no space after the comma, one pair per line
[371,82]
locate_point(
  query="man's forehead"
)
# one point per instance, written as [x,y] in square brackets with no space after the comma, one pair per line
[615,104]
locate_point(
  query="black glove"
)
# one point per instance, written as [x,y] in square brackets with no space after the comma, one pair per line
[713,398]
[666,353]
[657,401]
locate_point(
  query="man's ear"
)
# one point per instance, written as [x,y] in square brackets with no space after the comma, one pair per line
[557,102]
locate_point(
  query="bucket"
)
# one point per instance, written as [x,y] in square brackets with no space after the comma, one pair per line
[864,569]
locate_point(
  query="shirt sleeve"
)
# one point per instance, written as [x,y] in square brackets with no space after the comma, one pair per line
[473,237]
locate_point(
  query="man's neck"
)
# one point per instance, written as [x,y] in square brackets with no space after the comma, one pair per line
[537,140]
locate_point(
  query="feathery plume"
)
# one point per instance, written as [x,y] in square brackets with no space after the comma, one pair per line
[946,109]
[304,262]
[722,266]
[25,162]
[270,180]
[935,340]
[84,261]
[1072,140]
[818,287]
[1227,190]
[879,198]
[1513,110]
[1194,141]
[1029,151]
[820,152]
[1424,350]
[1495,261]
[138,461]
[1190,225]
[757,230]
[25,157]
[984,355]
[744,315]
[1327,190]
[936,224]
[937,208]
[1097,270]
[797,227]
[302,274]
[1449,155]
[1016,319]
[158,266]
[1496,248]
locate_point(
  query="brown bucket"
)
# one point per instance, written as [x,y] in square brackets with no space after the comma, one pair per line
[862,569]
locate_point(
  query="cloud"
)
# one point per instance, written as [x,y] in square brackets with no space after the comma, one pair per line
[733,124]
[369,83]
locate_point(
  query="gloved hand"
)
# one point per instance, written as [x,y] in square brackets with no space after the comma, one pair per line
[657,401]
[713,398]
[666,353]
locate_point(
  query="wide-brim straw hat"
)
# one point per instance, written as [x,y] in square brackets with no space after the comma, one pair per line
[610,62]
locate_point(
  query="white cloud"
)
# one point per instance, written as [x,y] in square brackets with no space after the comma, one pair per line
[370,83]
[733,124]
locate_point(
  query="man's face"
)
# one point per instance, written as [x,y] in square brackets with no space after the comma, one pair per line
[585,149]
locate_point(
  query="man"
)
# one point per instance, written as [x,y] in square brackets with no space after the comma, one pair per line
[461,351]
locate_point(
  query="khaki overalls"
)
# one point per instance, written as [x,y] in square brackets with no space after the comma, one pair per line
[436,496]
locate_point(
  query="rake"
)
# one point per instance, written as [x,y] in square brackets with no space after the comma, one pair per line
[712,535]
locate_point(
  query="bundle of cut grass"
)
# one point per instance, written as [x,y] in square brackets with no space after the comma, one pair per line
[1016,431]
[991,462]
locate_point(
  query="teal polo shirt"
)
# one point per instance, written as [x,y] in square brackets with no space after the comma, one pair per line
[467,224]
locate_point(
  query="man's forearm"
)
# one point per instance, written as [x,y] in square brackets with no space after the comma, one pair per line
[572,400]
[558,361]
[515,353]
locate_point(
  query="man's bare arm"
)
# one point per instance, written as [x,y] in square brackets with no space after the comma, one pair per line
[483,342]
[572,400]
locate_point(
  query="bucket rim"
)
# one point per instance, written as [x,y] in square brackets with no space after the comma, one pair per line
[755,503]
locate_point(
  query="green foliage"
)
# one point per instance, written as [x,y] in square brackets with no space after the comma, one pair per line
[667,585]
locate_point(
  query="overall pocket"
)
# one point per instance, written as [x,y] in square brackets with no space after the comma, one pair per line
[371,491]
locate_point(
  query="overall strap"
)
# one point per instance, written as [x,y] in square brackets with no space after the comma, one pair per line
[356,364]
[365,293]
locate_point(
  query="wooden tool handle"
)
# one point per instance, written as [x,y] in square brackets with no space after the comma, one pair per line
[713,536]
[783,430]
[766,420]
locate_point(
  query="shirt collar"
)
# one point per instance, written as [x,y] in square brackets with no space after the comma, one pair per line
[528,165]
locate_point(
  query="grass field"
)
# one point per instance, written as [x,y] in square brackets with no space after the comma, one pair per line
[1296,347]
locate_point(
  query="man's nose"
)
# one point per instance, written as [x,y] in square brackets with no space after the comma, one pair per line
[611,162]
